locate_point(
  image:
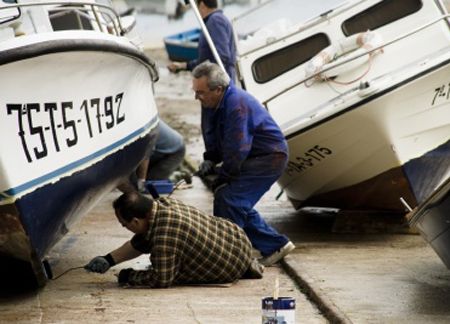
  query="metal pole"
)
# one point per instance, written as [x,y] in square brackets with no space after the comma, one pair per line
[206,33]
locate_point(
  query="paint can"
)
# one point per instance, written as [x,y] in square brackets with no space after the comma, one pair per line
[278,311]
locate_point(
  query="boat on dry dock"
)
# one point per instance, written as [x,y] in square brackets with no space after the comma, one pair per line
[78,112]
[362,95]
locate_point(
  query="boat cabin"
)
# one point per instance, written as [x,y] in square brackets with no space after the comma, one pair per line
[273,56]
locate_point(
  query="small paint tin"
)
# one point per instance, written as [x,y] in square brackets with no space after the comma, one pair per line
[278,311]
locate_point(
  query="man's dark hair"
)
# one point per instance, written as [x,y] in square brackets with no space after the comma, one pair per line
[209,3]
[131,205]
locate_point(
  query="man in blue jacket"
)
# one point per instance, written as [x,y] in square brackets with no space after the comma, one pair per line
[253,153]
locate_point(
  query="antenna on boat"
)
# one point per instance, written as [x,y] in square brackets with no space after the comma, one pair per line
[206,33]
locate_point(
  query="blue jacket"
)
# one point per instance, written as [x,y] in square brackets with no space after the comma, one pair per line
[221,32]
[243,129]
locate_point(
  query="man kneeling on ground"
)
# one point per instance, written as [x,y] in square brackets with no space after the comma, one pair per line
[186,246]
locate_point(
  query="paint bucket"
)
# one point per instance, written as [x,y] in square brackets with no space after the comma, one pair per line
[278,311]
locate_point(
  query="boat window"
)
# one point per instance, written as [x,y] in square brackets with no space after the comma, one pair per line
[69,19]
[380,15]
[8,14]
[276,63]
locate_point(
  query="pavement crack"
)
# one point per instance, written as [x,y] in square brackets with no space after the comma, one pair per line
[193,313]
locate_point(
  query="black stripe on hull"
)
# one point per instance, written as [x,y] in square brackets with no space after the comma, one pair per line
[426,172]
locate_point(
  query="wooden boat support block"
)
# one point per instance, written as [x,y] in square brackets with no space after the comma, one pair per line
[371,222]
[13,239]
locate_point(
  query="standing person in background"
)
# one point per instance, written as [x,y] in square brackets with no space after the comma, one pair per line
[253,153]
[221,32]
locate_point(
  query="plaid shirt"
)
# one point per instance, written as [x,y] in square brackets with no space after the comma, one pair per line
[189,246]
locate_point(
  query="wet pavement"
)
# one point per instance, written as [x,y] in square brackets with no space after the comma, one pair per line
[334,276]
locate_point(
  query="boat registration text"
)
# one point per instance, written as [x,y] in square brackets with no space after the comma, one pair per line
[58,125]
[308,159]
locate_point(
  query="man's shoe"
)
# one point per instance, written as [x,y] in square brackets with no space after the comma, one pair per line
[278,255]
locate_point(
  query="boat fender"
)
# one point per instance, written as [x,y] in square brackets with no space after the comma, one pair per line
[347,49]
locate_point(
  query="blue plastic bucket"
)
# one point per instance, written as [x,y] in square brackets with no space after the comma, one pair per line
[278,311]
[161,186]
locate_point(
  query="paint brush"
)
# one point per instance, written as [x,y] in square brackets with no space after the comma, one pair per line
[276,289]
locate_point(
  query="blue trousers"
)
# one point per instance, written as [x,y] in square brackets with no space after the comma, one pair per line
[162,165]
[236,200]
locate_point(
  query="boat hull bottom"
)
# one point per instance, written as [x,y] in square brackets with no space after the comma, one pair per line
[382,192]
[432,219]
[34,223]
[17,276]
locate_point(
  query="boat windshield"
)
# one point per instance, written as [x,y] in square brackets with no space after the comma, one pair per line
[274,19]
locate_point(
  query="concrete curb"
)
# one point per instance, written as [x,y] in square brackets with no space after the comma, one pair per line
[307,285]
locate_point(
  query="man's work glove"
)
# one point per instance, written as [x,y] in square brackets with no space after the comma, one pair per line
[124,275]
[206,168]
[100,264]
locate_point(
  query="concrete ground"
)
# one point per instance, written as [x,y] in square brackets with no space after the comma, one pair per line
[370,278]
[81,297]
[383,277]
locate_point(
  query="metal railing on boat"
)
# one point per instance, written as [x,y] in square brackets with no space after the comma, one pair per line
[79,7]
[345,61]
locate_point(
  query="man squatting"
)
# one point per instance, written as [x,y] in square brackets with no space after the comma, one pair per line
[186,246]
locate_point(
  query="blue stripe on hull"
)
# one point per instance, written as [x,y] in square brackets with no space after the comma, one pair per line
[45,211]
[426,172]
[67,168]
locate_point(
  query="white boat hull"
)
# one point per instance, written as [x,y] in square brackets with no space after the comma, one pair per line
[373,136]
[79,115]
[359,157]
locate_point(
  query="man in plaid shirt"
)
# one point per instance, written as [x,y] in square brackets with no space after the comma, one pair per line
[186,246]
